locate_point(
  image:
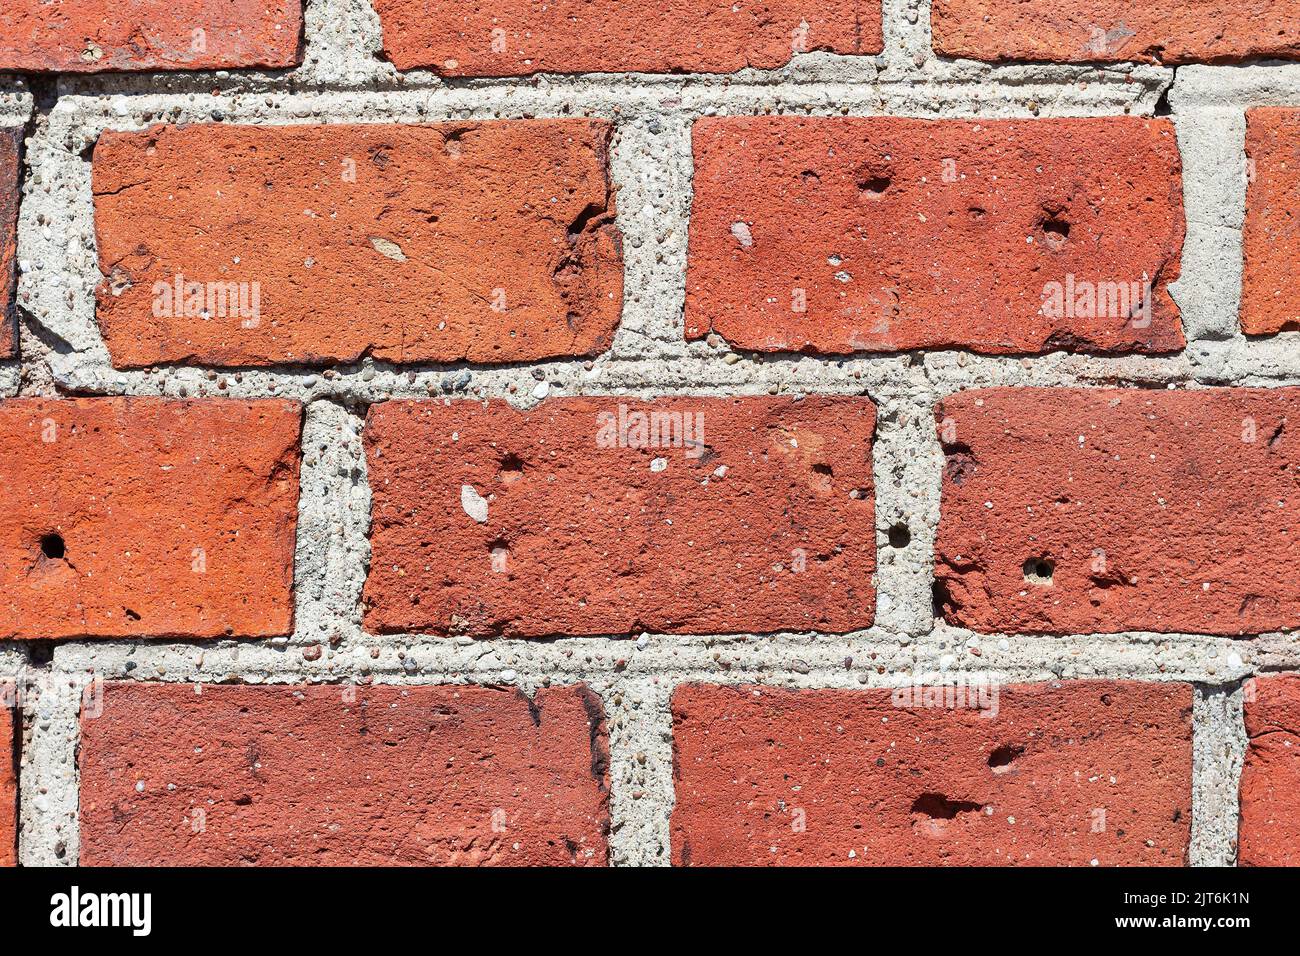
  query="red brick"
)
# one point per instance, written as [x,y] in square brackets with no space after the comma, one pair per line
[491,242]
[1106,510]
[147,517]
[1269,833]
[1091,31]
[10,144]
[903,234]
[765,526]
[300,775]
[8,780]
[1270,301]
[1062,774]
[96,36]
[518,37]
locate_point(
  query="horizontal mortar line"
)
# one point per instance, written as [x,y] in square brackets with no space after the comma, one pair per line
[982,106]
[810,387]
[824,69]
[901,73]
[953,641]
[714,364]
[609,110]
[570,646]
[525,678]
[942,632]
[802,70]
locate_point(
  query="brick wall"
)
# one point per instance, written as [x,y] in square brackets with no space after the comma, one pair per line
[606,434]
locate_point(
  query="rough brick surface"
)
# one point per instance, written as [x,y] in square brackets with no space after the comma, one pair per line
[1270,301]
[1090,31]
[10,142]
[1269,834]
[147,517]
[1063,774]
[301,775]
[92,36]
[490,521]
[518,37]
[835,235]
[1106,510]
[8,781]
[491,242]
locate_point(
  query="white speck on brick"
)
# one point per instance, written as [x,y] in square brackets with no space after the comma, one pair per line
[475,505]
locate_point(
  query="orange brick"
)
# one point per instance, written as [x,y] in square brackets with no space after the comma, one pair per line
[97,36]
[144,517]
[1091,31]
[836,235]
[1269,830]
[1270,302]
[492,242]
[518,37]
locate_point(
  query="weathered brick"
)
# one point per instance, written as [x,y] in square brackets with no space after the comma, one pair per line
[147,517]
[1054,774]
[1269,832]
[1091,31]
[10,144]
[491,242]
[94,36]
[1270,301]
[1107,510]
[491,521]
[337,775]
[8,780]
[518,37]
[835,235]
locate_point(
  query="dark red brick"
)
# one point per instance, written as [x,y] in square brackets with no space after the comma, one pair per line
[1074,773]
[761,519]
[343,776]
[1105,510]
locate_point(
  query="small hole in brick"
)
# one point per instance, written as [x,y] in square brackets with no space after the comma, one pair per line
[874,184]
[1002,757]
[941,600]
[1039,571]
[899,536]
[823,476]
[499,552]
[1055,232]
[512,468]
[939,807]
[52,546]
